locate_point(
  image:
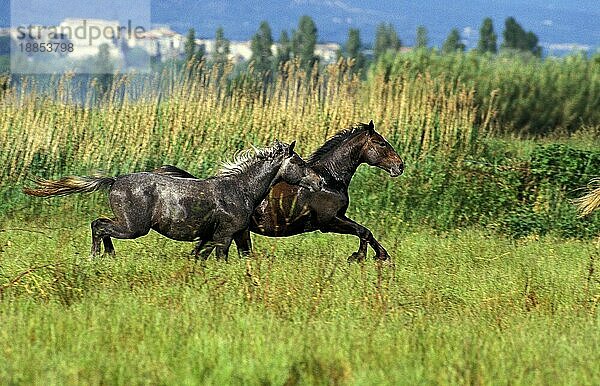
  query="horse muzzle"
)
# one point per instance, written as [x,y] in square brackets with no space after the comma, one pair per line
[396,170]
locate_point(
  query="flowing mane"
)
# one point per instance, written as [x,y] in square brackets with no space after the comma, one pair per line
[244,159]
[335,141]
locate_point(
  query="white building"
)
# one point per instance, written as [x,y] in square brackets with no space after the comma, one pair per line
[87,35]
[327,52]
[159,41]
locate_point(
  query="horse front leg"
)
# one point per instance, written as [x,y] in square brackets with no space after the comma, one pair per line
[344,225]
[222,248]
[361,254]
[243,242]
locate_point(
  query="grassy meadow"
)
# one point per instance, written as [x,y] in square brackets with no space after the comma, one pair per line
[460,307]
[493,279]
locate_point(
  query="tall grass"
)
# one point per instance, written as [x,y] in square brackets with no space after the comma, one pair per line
[459,308]
[196,116]
[534,96]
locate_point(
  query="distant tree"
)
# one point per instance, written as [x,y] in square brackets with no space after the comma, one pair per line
[221,47]
[514,35]
[422,39]
[4,69]
[516,38]
[156,60]
[284,52]
[103,63]
[104,68]
[487,37]
[4,57]
[200,52]
[532,44]
[304,40]
[453,42]
[353,49]
[4,45]
[386,39]
[191,50]
[261,43]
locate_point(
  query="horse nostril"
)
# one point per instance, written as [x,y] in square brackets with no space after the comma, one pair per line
[397,170]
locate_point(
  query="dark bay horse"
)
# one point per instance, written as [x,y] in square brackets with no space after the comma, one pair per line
[211,211]
[290,209]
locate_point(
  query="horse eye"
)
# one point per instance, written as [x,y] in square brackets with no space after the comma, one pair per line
[382,144]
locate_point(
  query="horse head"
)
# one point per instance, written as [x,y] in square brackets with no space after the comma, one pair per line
[295,171]
[378,152]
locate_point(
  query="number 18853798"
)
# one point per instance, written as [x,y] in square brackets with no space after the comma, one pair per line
[30,47]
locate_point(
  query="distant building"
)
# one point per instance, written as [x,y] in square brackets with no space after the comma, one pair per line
[161,42]
[85,42]
[240,51]
[327,52]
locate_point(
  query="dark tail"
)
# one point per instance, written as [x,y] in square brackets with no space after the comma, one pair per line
[68,185]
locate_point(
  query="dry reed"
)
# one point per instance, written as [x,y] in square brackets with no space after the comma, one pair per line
[196,116]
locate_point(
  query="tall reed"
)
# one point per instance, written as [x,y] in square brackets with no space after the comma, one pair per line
[196,116]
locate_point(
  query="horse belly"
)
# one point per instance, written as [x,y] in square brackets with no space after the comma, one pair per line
[183,218]
[184,231]
[277,218]
[284,213]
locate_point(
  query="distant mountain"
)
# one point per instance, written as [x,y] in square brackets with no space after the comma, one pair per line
[558,23]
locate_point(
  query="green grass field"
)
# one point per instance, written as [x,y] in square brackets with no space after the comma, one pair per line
[462,302]
[463,307]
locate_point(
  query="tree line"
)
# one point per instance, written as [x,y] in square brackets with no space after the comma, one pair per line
[301,44]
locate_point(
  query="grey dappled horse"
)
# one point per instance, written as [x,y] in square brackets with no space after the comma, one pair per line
[211,211]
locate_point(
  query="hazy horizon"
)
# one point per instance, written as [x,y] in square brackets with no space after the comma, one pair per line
[554,22]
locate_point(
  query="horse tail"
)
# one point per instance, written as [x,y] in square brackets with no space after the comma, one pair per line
[68,185]
[590,202]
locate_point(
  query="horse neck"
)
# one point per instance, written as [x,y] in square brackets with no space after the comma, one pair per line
[339,165]
[258,179]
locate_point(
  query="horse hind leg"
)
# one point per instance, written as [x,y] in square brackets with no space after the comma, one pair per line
[219,244]
[103,229]
[203,250]
[96,239]
[109,249]
[222,248]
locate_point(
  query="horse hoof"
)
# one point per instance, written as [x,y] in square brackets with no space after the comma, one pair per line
[356,256]
[382,256]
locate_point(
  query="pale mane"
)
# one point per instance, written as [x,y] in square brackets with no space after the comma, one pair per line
[244,159]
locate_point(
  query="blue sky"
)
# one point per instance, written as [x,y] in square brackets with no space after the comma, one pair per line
[553,21]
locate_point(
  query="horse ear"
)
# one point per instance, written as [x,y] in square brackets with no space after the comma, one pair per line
[291,148]
[371,127]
